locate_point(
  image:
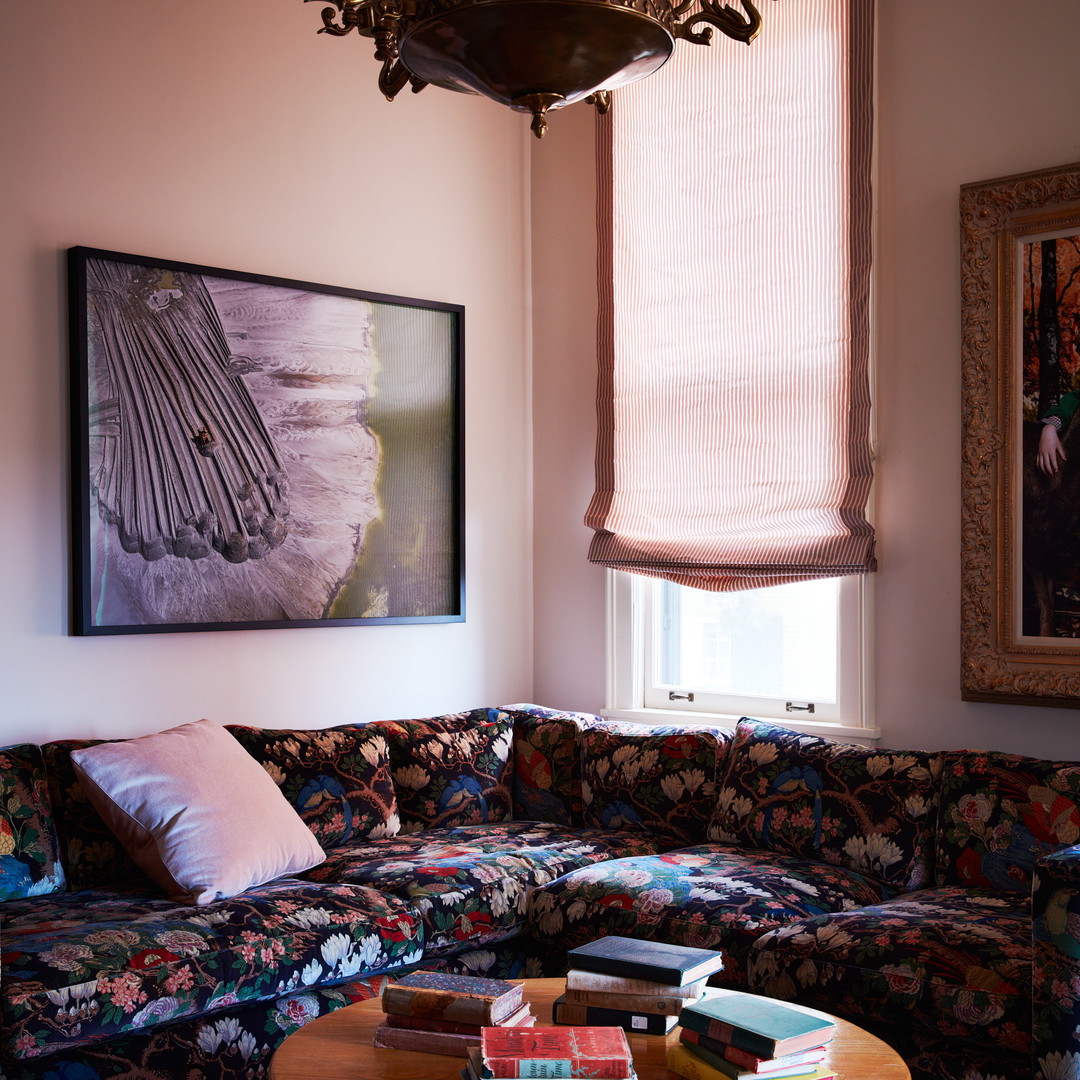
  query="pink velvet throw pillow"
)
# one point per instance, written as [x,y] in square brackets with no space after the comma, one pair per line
[196,811]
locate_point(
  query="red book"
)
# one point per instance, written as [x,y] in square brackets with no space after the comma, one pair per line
[601,1052]
[752,1062]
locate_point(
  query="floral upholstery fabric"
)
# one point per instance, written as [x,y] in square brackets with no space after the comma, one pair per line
[954,960]
[337,779]
[868,810]
[707,896]
[547,764]
[234,1044]
[941,1057]
[451,770]
[86,966]
[29,849]
[470,883]
[999,814]
[514,958]
[1056,975]
[92,856]
[656,779]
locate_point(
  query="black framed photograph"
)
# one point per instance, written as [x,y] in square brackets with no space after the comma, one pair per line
[252,452]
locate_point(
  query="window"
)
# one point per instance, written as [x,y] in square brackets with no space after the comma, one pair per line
[791,653]
[734,408]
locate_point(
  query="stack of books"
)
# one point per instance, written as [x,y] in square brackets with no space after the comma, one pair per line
[640,986]
[728,1034]
[560,1052]
[438,1013]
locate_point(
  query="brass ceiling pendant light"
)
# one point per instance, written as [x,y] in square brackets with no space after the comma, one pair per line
[533,55]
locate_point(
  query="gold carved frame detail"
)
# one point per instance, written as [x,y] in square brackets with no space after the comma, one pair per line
[999,662]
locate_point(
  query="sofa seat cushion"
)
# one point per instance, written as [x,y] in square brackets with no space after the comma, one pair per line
[469,883]
[85,966]
[945,960]
[710,896]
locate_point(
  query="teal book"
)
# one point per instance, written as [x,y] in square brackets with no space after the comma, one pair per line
[673,965]
[754,1023]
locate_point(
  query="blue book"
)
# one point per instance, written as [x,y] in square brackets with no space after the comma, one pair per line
[673,965]
[758,1024]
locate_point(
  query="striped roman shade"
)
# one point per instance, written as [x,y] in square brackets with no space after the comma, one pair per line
[735,218]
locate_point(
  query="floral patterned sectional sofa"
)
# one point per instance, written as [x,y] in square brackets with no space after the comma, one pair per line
[931,897]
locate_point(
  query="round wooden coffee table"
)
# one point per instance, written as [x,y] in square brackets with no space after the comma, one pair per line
[339,1047]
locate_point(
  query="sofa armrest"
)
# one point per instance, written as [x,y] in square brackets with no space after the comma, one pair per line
[1055,923]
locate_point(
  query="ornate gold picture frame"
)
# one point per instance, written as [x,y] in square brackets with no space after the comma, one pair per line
[1020,571]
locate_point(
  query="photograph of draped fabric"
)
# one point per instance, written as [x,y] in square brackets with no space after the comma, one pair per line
[257,452]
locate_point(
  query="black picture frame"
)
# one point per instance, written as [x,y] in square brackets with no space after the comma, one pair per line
[255,452]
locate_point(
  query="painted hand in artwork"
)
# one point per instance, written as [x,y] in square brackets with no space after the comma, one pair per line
[1051,454]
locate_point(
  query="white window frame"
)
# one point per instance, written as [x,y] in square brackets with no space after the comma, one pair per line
[628,668]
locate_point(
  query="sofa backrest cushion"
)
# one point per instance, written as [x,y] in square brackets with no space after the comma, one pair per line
[869,810]
[451,770]
[547,763]
[91,854]
[660,780]
[30,863]
[999,813]
[337,779]
[196,812]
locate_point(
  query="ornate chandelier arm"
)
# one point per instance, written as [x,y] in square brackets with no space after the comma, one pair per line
[346,10]
[726,19]
[378,20]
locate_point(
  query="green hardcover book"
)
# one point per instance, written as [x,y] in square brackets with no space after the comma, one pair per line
[754,1023]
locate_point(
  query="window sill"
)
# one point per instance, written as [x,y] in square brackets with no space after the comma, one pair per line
[807,727]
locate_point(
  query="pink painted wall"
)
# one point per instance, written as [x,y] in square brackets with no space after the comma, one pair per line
[200,133]
[233,135]
[965,93]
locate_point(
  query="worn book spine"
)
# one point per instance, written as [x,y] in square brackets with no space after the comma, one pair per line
[606,999]
[422,1023]
[438,1005]
[563,1012]
[426,1042]
[521,1017]
[726,1033]
[577,979]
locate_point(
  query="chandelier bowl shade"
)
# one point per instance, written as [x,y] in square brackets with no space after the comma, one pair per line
[512,50]
[533,55]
